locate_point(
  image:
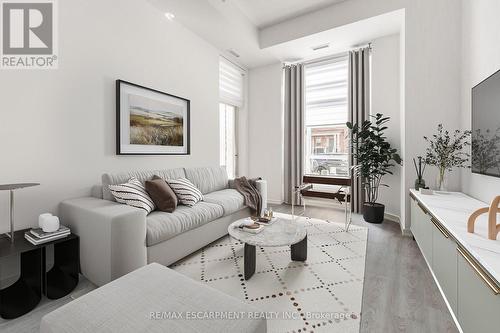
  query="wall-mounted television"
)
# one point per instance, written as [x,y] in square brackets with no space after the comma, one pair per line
[486,126]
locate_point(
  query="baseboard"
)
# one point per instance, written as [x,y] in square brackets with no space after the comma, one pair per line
[406,232]
[392,217]
[275,202]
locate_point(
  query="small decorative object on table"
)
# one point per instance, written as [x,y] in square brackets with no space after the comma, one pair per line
[267,219]
[426,191]
[446,152]
[11,188]
[420,169]
[493,227]
[249,225]
[48,222]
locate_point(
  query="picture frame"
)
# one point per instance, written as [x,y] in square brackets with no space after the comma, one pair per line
[151,122]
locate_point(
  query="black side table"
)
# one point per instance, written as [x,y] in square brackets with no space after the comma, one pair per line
[25,294]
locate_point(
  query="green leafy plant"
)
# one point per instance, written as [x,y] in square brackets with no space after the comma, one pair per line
[447,151]
[373,154]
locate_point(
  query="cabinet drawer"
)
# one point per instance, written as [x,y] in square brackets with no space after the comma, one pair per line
[425,234]
[421,228]
[414,218]
[444,263]
[478,305]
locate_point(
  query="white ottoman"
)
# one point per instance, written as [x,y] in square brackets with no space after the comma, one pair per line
[154,298]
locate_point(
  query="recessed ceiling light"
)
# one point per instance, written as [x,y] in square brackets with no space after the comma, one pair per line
[169,16]
[319,47]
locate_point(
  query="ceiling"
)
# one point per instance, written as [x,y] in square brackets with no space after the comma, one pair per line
[234,25]
[264,13]
[339,39]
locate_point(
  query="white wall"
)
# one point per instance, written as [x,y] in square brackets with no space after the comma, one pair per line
[265,128]
[57,127]
[385,83]
[480,59]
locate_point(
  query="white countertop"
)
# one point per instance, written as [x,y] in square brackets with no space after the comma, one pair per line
[452,210]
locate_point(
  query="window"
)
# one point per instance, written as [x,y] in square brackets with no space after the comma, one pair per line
[231,87]
[326,145]
[227,118]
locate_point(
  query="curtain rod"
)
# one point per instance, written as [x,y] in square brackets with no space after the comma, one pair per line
[329,57]
[232,62]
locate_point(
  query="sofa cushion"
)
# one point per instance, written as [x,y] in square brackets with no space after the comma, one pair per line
[230,199]
[142,176]
[161,226]
[134,194]
[208,179]
[187,193]
[161,194]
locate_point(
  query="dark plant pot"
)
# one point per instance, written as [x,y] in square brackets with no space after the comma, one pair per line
[373,213]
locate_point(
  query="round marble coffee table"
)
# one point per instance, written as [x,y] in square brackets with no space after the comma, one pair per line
[282,232]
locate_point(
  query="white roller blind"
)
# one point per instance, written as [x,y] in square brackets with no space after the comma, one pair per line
[231,81]
[326,92]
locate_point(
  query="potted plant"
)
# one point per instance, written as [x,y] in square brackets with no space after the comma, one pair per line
[375,158]
[446,152]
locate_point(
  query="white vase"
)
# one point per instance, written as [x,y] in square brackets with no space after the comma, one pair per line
[41,219]
[48,222]
[51,224]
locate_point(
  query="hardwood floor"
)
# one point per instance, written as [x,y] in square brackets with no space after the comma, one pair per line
[399,292]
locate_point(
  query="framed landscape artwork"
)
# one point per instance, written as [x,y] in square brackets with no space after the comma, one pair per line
[150,122]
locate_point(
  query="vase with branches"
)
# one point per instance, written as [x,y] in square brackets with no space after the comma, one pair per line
[447,151]
[374,158]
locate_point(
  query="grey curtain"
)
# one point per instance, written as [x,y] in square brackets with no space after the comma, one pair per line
[359,108]
[294,130]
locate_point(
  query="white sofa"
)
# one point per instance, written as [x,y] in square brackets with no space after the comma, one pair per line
[116,239]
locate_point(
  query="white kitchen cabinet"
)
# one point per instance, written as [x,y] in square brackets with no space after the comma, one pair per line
[478,306]
[414,219]
[444,262]
[465,265]
[424,232]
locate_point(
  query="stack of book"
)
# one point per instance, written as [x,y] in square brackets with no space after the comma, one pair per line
[37,236]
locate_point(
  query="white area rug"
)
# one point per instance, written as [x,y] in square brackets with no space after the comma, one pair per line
[322,294]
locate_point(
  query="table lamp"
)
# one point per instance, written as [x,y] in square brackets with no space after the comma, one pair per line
[11,188]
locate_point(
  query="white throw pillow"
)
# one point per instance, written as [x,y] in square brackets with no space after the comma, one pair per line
[134,194]
[186,192]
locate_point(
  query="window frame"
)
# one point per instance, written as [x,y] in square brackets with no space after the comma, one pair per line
[310,148]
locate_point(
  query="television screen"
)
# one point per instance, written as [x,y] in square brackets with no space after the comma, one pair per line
[486,126]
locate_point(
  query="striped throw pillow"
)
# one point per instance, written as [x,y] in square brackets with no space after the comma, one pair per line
[133,194]
[186,192]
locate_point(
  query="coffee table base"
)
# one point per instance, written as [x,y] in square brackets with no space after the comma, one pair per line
[298,252]
[249,260]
